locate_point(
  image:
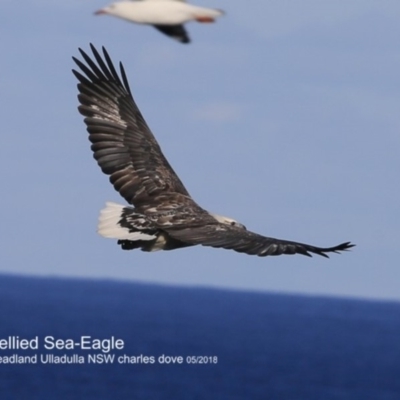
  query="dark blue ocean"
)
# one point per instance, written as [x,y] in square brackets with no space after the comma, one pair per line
[253,346]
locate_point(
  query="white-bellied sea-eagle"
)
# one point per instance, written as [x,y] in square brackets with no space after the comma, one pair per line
[163,216]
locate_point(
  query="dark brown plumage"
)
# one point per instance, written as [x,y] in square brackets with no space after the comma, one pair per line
[164,216]
[177,32]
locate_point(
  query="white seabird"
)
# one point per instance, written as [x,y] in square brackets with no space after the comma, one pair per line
[168,16]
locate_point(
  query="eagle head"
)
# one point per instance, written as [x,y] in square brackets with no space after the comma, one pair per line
[228,221]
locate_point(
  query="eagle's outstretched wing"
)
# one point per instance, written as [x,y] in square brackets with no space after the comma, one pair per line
[243,241]
[122,143]
[177,32]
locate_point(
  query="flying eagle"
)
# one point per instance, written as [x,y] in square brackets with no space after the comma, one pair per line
[167,16]
[163,216]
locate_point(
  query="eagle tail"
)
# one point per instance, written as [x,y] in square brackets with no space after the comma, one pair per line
[124,223]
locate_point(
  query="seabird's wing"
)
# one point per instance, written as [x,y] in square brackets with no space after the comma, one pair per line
[177,32]
[243,241]
[122,143]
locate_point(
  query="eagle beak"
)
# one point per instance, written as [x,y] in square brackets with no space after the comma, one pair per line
[100,12]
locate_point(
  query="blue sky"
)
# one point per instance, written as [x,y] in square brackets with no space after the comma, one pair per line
[283,115]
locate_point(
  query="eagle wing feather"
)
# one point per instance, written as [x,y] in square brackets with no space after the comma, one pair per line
[243,241]
[122,143]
